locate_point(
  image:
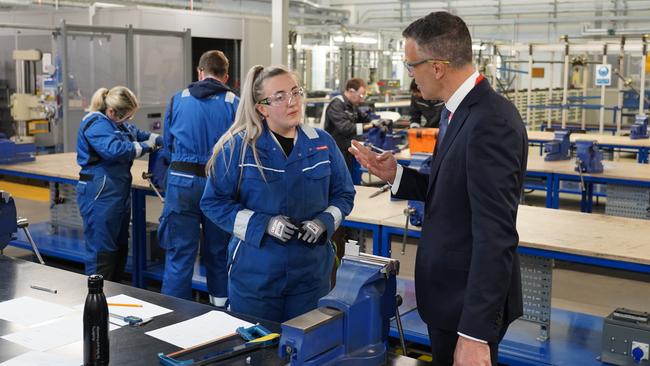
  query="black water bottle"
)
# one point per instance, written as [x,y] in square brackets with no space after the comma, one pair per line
[96,323]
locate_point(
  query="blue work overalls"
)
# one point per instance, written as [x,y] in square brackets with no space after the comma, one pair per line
[105,152]
[270,279]
[195,120]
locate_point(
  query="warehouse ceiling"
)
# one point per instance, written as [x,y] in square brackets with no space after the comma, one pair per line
[395,14]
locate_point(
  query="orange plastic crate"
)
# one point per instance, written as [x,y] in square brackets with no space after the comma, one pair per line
[422,140]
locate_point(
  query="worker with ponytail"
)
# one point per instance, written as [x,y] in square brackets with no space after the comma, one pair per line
[106,147]
[281,188]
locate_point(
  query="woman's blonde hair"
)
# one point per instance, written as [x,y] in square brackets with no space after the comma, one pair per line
[119,98]
[248,118]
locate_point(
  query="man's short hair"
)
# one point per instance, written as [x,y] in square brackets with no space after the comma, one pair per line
[355,84]
[214,63]
[443,35]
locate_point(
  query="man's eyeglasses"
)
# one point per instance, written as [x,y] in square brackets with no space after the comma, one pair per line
[280,98]
[362,96]
[410,66]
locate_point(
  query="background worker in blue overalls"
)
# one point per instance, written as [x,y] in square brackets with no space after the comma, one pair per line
[195,120]
[281,188]
[106,148]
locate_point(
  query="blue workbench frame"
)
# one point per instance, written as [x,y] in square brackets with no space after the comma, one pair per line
[138,228]
[374,228]
[575,337]
[586,203]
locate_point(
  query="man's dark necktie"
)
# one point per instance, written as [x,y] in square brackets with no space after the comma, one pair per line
[444,123]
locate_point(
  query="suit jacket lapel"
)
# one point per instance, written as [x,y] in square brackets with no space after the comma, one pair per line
[455,125]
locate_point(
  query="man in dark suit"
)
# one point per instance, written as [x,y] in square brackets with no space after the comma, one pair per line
[467,276]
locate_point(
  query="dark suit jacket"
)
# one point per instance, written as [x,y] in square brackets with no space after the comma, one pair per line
[467,276]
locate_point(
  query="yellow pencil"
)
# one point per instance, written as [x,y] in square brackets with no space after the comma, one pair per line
[128,305]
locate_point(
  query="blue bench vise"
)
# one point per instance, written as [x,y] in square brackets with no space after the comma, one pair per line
[589,158]
[350,326]
[639,130]
[8,216]
[421,163]
[13,153]
[382,136]
[559,148]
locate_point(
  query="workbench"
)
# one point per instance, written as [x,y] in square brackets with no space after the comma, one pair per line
[63,168]
[640,146]
[605,241]
[554,172]
[576,127]
[615,172]
[368,213]
[129,346]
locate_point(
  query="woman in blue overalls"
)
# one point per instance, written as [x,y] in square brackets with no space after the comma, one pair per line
[106,147]
[281,188]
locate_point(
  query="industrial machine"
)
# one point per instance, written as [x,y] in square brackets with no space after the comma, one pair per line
[639,130]
[350,326]
[10,223]
[559,148]
[626,338]
[589,158]
[32,112]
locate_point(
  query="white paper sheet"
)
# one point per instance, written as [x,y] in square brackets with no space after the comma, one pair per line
[73,351]
[33,358]
[148,310]
[29,311]
[56,333]
[204,328]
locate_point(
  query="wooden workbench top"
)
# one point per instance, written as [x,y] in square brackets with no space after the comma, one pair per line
[613,169]
[374,210]
[624,170]
[592,235]
[65,166]
[605,139]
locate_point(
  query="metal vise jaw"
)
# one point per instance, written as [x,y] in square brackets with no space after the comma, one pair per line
[351,325]
[559,148]
[639,130]
[589,158]
[8,216]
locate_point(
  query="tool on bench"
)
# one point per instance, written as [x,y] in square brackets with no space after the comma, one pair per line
[381,190]
[256,337]
[134,321]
